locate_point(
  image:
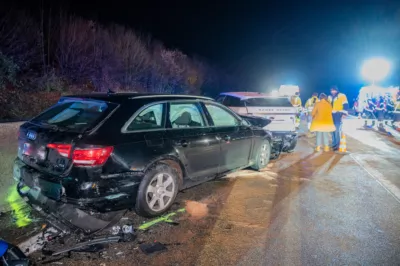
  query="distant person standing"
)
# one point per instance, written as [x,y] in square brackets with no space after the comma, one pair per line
[356,107]
[396,111]
[296,102]
[322,122]
[310,103]
[340,105]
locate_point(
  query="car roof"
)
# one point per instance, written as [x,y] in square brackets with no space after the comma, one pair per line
[248,95]
[122,97]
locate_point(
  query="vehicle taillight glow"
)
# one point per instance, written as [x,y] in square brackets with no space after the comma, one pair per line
[92,156]
[63,149]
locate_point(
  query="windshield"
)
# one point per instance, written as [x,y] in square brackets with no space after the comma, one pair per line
[263,102]
[75,115]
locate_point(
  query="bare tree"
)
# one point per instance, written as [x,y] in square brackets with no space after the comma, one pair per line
[131,53]
[19,39]
[76,50]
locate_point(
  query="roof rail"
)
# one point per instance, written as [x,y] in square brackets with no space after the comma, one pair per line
[172,96]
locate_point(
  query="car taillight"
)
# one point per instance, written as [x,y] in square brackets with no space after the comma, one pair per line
[63,149]
[92,156]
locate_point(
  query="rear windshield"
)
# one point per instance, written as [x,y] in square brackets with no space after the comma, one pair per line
[274,102]
[75,115]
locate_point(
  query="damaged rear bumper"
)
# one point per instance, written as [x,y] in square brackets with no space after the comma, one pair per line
[66,217]
[69,203]
[98,194]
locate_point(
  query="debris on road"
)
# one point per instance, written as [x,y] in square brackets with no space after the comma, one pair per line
[38,241]
[127,229]
[165,218]
[152,248]
[92,242]
[115,230]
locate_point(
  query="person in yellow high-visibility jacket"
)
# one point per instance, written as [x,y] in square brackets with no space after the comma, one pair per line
[340,105]
[310,103]
[295,100]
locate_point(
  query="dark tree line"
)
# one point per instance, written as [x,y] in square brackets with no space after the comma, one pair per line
[46,55]
[58,51]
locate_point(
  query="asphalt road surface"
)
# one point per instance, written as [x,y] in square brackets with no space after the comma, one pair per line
[305,209]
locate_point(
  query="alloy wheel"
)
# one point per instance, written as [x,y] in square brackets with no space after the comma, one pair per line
[160,192]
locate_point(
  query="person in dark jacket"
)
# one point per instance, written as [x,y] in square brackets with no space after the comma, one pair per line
[340,105]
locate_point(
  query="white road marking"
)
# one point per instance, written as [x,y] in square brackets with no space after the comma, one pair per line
[380,179]
[376,175]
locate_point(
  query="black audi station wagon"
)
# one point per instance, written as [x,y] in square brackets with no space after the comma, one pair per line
[107,152]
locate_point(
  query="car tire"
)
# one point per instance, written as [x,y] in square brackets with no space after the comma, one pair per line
[157,191]
[263,156]
[292,146]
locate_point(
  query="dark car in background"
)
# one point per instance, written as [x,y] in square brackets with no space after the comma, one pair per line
[106,152]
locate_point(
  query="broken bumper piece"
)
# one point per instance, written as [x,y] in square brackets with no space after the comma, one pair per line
[67,217]
[101,194]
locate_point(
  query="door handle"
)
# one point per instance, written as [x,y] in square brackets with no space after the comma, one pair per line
[183,143]
[227,138]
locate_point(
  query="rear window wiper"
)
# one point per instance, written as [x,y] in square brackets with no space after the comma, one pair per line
[53,126]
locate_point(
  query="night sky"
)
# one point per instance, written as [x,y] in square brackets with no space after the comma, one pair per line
[314,44]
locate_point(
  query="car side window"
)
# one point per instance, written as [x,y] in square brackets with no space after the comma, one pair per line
[221,117]
[149,118]
[221,98]
[236,102]
[227,101]
[185,115]
[232,101]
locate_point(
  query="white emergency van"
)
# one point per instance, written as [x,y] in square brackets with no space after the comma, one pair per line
[277,109]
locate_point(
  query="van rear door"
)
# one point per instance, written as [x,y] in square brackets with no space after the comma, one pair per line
[277,109]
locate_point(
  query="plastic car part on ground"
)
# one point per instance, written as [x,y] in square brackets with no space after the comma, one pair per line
[95,241]
[165,218]
[119,234]
[152,248]
[38,241]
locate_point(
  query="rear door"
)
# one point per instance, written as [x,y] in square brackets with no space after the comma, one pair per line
[279,110]
[193,139]
[236,139]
